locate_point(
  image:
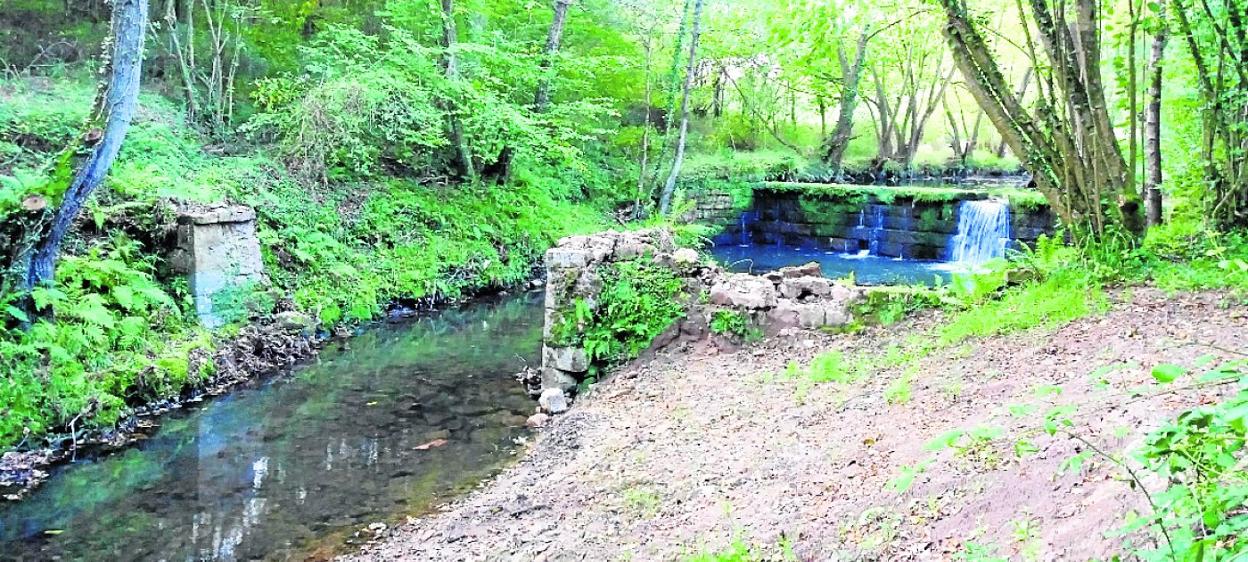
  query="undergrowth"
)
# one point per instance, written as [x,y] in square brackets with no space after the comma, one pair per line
[125,333]
[735,324]
[638,302]
[119,338]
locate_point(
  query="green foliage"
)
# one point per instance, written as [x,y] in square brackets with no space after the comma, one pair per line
[829,366]
[118,338]
[643,501]
[739,551]
[900,390]
[1201,456]
[1185,257]
[405,241]
[976,552]
[367,105]
[887,306]
[638,302]
[1019,198]
[342,252]
[976,285]
[1064,296]
[734,323]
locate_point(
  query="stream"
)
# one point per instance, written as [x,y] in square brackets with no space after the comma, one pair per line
[291,466]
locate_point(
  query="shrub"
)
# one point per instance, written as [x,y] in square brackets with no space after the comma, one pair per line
[638,302]
[734,323]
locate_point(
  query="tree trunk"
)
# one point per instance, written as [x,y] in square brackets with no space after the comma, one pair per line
[673,75]
[501,170]
[1133,97]
[920,116]
[450,66]
[1022,94]
[823,116]
[888,121]
[836,143]
[717,96]
[669,188]
[39,233]
[644,164]
[554,38]
[1068,142]
[1224,146]
[1152,127]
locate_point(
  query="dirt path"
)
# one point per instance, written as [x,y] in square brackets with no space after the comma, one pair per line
[692,451]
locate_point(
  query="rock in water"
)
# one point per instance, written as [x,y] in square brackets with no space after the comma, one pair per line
[537,420]
[553,401]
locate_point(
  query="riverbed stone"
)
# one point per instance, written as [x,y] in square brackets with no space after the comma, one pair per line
[295,322]
[536,421]
[685,257]
[811,315]
[567,359]
[803,287]
[746,291]
[553,401]
[553,378]
[812,269]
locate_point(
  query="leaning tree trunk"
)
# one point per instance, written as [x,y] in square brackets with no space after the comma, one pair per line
[541,100]
[450,67]
[669,188]
[835,145]
[1022,94]
[1068,141]
[1152,127]
[37,234]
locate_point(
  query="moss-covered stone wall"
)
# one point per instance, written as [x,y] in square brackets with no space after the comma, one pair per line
[911,223]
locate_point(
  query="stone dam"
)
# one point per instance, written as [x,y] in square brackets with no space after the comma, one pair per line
[908,223]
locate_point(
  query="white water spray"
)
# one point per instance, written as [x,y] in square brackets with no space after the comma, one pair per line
[983,232]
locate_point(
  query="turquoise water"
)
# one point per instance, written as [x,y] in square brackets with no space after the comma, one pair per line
[866,269]
[288,468]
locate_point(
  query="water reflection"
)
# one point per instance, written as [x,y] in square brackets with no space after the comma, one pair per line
[270,471]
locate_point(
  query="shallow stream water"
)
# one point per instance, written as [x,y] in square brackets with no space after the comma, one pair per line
[290,467]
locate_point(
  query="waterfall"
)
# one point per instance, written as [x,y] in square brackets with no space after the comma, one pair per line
[747,218]
[877,230]
[983,232]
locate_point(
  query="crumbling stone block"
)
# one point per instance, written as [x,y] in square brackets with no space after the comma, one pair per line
[217,249]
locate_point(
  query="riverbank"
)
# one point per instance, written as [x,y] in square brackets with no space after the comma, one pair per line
[264,347]
[377,427]
[340,253]
[695,450]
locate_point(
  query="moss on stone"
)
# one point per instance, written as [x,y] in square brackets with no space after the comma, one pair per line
[1019,198]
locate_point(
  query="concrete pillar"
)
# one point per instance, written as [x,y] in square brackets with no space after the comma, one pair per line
[217,249]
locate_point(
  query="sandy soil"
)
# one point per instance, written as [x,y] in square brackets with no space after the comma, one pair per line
[693,450]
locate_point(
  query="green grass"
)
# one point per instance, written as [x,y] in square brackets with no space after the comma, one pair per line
[1186,257]
[1061,298]
[739,551]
